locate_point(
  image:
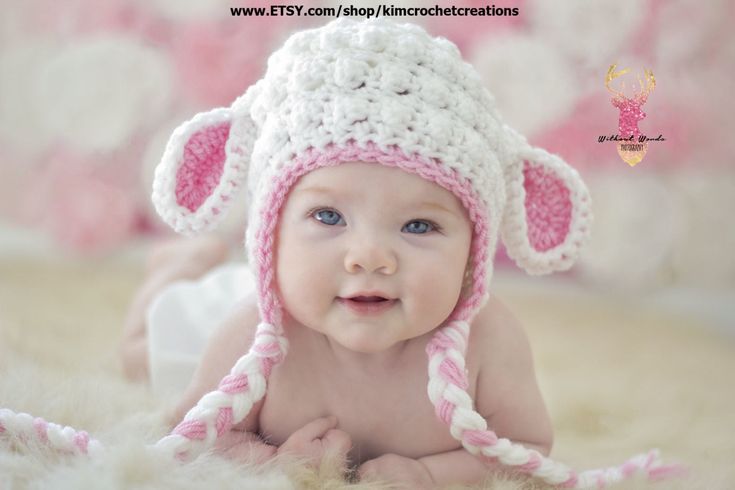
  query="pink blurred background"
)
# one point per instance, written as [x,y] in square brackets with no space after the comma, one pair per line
[90,91]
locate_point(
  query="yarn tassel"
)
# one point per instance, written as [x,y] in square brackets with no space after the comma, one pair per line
[648,464]
[66,439]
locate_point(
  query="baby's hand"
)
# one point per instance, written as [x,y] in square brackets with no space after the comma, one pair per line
[397,469]
[244,446]
[317,439]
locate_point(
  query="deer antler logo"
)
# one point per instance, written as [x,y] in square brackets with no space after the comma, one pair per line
[633,148]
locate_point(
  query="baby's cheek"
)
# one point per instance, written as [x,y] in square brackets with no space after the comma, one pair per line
[434,294]
[306,285]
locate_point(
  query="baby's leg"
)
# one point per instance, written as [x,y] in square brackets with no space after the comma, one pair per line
[181,258]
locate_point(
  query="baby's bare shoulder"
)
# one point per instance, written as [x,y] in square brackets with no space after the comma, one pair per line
[507,393]
[230,340]
[499,347]
[497,330]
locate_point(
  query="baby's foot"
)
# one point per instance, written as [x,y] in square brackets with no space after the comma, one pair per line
[173,260]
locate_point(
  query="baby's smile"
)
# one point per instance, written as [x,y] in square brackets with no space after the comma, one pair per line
[367,305]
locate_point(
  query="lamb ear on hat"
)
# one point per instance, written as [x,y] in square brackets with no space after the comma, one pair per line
[204,165]
[547,215]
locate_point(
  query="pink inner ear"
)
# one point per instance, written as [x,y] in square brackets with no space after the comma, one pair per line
[548,207]
[201,170]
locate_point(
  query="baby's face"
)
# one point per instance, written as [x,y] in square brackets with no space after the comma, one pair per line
[364,227]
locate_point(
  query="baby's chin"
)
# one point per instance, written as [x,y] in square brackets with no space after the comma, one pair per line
[367,342]
[365,346]
[362,337]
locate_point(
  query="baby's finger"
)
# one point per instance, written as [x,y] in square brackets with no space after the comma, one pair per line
[338,441]
[367,471]
[316,428]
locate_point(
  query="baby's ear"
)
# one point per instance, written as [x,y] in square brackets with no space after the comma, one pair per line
[199,174]
[547,216]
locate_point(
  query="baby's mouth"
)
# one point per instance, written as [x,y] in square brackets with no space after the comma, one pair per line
[368,299]
[368,305]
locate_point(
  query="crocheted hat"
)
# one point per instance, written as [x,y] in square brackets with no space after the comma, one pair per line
[381,92]
[376,92]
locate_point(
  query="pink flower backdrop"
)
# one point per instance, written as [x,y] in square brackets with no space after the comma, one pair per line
[90,91]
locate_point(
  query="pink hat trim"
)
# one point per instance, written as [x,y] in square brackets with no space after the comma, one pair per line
[430,169]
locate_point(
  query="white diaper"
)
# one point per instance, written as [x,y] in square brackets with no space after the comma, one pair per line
[181,319]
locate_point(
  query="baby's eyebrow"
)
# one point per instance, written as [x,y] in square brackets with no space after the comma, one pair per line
[336,193]
[436,206]
[318,190]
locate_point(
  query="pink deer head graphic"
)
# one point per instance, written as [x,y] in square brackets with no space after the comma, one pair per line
[632,150]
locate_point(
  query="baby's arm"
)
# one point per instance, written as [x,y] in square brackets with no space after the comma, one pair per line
[507,395]
[227,344]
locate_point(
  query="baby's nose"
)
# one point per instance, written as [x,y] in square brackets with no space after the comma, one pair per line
[370,256]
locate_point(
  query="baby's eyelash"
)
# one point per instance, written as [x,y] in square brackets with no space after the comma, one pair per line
[435,227]
[319,208]
[313,213]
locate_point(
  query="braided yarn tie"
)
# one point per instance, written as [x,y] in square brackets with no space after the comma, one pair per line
[447,391]
[236,394]
[25,427]
[212,416]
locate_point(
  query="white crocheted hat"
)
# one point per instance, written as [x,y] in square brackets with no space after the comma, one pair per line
[378,92]
[373,91]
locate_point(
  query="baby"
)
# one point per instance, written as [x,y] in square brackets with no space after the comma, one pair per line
[361,230]
[380,177]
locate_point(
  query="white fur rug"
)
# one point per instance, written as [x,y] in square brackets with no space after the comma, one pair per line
[618,381]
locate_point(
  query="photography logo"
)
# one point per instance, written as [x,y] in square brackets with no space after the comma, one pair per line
[632,145]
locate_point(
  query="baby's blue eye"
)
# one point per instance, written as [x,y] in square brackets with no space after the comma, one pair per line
[327,216]
[423,227]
